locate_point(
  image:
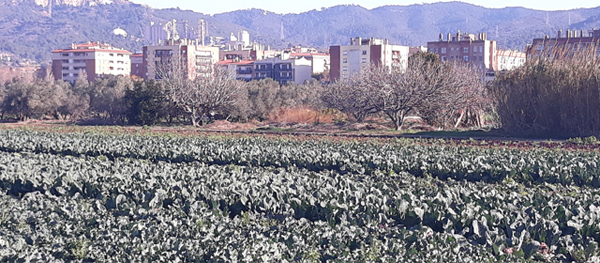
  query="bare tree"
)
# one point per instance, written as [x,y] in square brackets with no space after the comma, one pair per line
[200,91]
[351,97]
[398,92]
[462,103]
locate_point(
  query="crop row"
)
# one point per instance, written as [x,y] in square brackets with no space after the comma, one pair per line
[459,163]
[76,207]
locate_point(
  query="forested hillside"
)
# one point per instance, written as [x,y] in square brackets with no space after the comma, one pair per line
[30,31]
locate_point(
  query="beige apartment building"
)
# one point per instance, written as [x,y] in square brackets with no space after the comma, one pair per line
[471,48]
[196,60]
[93,58]
[362,53]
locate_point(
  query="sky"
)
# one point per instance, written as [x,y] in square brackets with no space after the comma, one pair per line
[285,7]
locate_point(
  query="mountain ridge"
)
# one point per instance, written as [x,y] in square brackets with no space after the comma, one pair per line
[30,32]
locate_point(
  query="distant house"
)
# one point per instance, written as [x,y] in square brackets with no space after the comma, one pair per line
[93,58]
[362,53]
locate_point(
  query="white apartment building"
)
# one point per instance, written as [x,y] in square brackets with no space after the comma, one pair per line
[93,58]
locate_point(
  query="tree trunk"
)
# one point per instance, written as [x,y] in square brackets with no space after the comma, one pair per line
[397,117]
[462,114]
[193,117]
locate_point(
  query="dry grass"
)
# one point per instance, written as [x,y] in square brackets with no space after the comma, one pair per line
[305,115]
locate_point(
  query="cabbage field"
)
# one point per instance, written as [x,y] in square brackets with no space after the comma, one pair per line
[248,198]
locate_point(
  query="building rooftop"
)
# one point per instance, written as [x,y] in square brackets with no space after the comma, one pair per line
[234,62]
[92,47]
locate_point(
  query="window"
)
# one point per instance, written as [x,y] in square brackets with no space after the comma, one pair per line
[480,58]
[443,58]
[345,69]
[65,68]
[364,60]
[364,52]
[466,58]
[65,74]
[64,54]
[111,54]
[443,50]
[345,53]
[465,50]
[480,49]
[345,60]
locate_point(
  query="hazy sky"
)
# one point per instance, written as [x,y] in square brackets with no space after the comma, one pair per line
[283,6]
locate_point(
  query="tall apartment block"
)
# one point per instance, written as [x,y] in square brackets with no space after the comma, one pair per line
[93,58]
[474,49]
[362,53]
[570,41]
[196,60]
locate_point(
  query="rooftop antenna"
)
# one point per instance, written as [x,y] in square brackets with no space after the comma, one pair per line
[202,29]
[50,7]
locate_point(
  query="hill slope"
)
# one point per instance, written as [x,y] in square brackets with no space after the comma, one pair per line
[29,31]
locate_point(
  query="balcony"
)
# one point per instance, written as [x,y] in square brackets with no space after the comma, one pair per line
[244,71]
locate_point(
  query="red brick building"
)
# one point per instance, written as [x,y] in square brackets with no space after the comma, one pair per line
[570,41]
[471,48]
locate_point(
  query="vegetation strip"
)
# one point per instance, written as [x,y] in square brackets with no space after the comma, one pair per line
[140,198]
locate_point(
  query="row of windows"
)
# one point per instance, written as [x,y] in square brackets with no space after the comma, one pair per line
[464,50]
[364,52]
[464,58]
[345,60]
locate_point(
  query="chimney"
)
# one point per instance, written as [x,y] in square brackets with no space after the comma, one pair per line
[359,40]
[559,33]
[387,41]
[569,33]
[582,33]
[441,37]
[449,37]
[352,41]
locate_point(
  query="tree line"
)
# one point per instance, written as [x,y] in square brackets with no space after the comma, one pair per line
[446,95]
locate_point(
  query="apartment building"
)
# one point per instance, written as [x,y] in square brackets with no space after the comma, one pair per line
[194,59]
[471,48]
[570,42]
[93,58]
[510,59]
[362,53]
[283,71]
[243,68]
[137,65]
[320,62]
